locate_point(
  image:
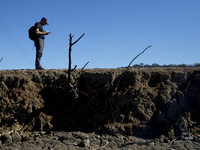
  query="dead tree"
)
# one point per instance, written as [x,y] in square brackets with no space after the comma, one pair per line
[73,86]
[70,50]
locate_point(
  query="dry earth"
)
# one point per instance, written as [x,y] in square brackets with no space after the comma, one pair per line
[148,103]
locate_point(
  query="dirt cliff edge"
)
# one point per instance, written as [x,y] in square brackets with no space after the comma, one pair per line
[149,102]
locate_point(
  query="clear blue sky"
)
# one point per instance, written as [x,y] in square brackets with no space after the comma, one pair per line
[115,32]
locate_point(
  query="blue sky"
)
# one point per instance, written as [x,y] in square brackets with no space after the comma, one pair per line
[115,32]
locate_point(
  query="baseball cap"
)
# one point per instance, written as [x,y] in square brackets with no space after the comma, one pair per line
[46,20]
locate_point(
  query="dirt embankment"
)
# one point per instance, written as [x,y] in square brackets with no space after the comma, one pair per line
[147,103]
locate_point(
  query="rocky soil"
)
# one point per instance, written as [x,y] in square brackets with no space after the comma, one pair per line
[145,105]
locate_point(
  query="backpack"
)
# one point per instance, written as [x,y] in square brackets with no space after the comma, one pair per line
[31,33]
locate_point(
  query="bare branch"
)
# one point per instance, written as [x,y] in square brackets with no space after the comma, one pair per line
[74,68]
[74,86]
[78,39]
[137,56]
[122,75]
[84,66]
[1,59]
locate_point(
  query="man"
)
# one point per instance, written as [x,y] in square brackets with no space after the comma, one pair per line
[39,41]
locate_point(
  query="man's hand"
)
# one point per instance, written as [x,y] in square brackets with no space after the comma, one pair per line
[38,32]
[46,32]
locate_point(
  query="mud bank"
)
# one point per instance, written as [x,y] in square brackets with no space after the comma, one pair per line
[148,102]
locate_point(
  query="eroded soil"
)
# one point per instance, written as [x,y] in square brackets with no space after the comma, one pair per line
[147,103]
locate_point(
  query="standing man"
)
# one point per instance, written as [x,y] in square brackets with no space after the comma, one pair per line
[39,41]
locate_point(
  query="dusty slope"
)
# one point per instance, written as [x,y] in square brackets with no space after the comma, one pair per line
[148,103]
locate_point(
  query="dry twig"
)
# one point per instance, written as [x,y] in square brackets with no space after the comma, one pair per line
[122,75]
[136,57]
[1,59]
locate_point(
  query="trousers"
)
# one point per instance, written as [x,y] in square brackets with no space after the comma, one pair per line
[39,44]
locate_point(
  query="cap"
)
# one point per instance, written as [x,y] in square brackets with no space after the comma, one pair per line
[46,20]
